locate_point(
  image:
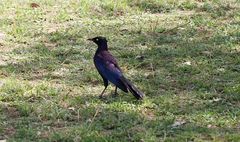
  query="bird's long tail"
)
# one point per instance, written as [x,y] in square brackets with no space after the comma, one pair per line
[136,93]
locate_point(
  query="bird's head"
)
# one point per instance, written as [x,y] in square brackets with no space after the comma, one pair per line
[99,40]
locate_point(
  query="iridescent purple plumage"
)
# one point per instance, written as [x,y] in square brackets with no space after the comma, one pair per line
[109,70]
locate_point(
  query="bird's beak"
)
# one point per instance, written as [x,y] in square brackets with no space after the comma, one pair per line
[90,39]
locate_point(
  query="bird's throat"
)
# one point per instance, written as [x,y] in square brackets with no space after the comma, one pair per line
[102,47]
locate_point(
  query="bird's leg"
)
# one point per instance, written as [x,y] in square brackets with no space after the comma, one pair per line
[115,92]
[101,95]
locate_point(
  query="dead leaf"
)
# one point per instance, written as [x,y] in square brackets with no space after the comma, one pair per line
[50,46]
[178,123]
[207,53]
[2,36]
[34,5]
[211,126]
[1,83]
[72,108]
[64,104]
[215,100]
[140,57]
[12,112]
[188,63]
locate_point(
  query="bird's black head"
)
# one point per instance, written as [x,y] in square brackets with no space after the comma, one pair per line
[99,40]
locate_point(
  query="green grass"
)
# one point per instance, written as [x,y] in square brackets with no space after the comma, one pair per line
[184,55]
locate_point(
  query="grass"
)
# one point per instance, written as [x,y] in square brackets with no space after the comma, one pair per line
[184,55]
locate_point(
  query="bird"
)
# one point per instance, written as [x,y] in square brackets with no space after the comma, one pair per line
[110,71]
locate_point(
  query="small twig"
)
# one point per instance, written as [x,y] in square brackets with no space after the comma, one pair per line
[94,116]
[65,54]
[78,115]
[152,68]
[166,31]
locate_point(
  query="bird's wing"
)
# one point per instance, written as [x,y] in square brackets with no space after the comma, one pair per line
[107,64]
[108,67]
[106,56]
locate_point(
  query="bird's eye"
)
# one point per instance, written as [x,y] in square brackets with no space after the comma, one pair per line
[97,39]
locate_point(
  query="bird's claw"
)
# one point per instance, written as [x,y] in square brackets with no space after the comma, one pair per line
[101,97]
[115,95]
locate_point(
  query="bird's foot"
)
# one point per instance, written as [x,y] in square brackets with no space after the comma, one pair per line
[100,96]
[114,95]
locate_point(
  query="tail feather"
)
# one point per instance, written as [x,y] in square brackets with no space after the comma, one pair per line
[136,93]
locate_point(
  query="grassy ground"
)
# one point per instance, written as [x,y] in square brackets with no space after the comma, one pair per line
[184,55]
